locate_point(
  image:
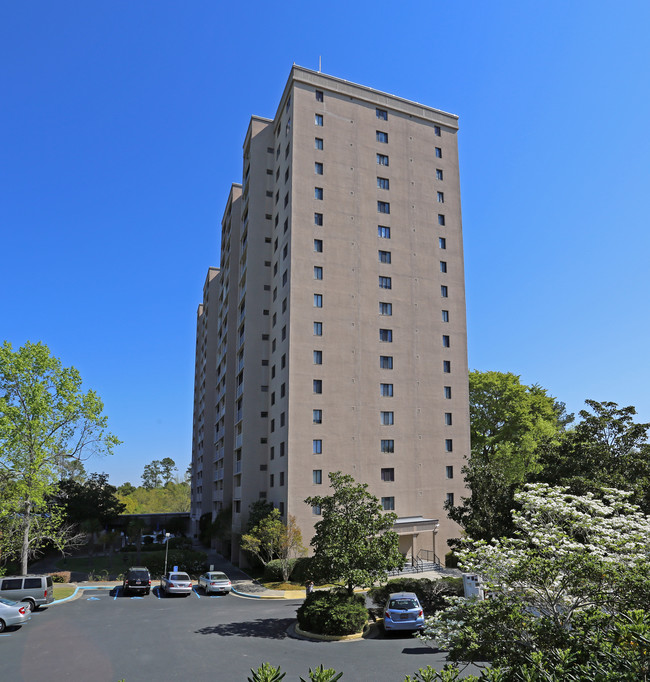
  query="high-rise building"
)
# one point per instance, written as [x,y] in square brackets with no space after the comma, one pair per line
[333,336]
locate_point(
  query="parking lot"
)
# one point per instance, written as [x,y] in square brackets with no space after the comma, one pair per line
[105,636]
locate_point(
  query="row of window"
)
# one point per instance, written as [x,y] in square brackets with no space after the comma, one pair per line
[387,504]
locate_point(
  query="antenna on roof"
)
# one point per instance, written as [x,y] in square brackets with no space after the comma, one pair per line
[319,57]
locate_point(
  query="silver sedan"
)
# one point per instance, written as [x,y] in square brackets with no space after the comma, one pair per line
[176,583]
[13,613]
[215,581]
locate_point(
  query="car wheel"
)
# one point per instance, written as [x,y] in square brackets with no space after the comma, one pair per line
[147,592]
[30,603]
[2,625]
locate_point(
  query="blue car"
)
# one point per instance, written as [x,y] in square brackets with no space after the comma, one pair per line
[403,612]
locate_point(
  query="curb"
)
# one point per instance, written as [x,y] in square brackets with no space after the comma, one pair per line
[334,638]
[259,596]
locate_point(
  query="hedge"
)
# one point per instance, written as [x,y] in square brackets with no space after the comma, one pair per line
[333,613]
[431,593]
[193,563]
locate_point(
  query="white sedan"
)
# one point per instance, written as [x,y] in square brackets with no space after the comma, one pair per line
[13,613]
[176,583]
[214,581]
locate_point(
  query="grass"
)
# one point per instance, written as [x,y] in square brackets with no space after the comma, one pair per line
[61,592]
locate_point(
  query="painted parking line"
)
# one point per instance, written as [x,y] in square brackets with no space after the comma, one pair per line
[137,597]
[117,591]
[7,635]
[92,599]
[216,596]
[196,593]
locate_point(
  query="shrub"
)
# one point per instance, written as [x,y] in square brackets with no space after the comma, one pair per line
[193,563]
[61,577]
[179,543]
[273,570]
[333,613]
[301,570]
[451,560]
[431,593]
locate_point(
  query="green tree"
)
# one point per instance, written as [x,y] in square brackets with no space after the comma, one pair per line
[45,419]
[167,469]
[510,422]
[354,543]
[93,499]
[257,511]
[272,539]
[607,448]
[152,475]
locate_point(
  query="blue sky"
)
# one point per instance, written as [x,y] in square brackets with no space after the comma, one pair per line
[121,125]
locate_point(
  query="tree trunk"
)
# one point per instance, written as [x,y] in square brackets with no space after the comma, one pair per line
[24,552]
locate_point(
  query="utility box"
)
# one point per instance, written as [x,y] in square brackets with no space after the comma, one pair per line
[472,586]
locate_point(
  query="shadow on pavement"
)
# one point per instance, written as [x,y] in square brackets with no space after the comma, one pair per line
[267,628]
[420,650]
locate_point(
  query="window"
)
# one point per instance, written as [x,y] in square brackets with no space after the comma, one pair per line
[450,499]
[318,357]
[285,251]
[388,446]
[317,447]
[383,207]
[438,153]
[441,197]
[449,445]
[448,392]
[318,272]
[384,256]
[442,242]
[388,474]
[286,177]
[318,219]
[283,360]
[318,328]
[446,366]
[383,183]
[318,300]
[388,503]
[318,385]
[386,390]
[283,390]
[237,506]
[285,278]
[284,305]
[318,119]
[318,193]
[385,362]
[280,508]
[386,335]
[315,510]
[317,416]
[283,419]
[382,137]
[271,480]
[385,282]
[441,219]
[282,449]
[445,315]
[382,114]
[318,245]
[284,332]
[443,266]
[448,419]
[383,232]
[449,471]
[272,425]
[318,142]
[445,341]
[438,174]
[319,95]
[317,476]
[282,478]
[318,168]
[436,131]
[385,308]
[382,159]
[444,291]
[386,418]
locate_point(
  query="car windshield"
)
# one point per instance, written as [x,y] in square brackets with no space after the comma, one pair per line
[403,604]
[179,576]
[218,576]
[7,602]
[139,575]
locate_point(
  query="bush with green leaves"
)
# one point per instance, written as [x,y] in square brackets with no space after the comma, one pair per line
[431,593]
[301,571]
[273,570]
[333,612]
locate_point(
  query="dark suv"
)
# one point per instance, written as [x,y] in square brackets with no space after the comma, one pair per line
[137,579]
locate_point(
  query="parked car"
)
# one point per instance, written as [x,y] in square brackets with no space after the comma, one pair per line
[214,581]
[33,590]
[137,579]
[176,582]
[403,612]
[13,613]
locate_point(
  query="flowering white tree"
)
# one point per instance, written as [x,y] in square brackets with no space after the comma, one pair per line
[570,553]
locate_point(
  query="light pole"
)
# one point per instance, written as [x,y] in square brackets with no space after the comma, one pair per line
[166,549]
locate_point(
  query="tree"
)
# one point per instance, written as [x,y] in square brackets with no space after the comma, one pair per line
[509,423]
[606,448]
[257,511]
[272,539]
[354,543]
[152,475]
[93,499]
[575,569]
[45,419]
[167,469]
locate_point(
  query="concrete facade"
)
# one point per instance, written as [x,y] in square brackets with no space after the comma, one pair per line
[340,339]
